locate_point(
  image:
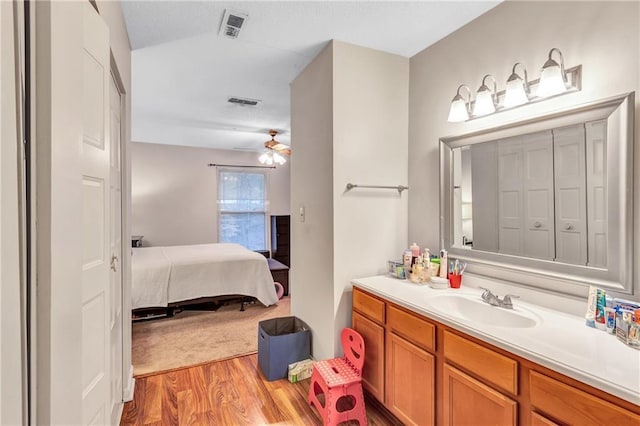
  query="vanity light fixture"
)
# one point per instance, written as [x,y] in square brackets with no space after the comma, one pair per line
[517,91]
[459,110]
[486,100]
[554,80]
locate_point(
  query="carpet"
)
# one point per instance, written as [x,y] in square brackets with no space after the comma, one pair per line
[195,337]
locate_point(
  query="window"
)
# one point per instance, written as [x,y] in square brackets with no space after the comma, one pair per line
[242,208]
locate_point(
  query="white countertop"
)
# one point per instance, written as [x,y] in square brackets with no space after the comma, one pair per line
[561,342]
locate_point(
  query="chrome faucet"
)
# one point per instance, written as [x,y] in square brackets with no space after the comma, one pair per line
[494,300]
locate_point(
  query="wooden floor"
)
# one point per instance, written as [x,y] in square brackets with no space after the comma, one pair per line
[231,392]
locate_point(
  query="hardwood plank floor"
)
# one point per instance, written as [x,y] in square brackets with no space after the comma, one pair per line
[230,392]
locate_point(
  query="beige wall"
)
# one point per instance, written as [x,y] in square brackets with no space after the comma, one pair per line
[174,193]
[370,131]
[311,274]
[12,322]
[602,36]
[349,124]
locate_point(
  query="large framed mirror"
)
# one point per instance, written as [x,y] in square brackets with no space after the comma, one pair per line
[546,202]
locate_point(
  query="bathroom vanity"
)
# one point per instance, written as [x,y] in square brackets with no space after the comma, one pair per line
[445,357]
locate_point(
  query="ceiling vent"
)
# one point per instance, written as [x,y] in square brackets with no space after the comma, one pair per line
[243,101]
[232,23]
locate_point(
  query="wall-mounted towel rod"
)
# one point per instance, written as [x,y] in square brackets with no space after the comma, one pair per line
[243,167]
[398,188]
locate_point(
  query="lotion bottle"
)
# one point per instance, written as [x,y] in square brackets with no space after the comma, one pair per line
[444,264]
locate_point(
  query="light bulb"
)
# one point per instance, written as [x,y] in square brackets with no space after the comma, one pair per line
[551,81]
[517,88]
[458,111]
[552,78]
[484,103]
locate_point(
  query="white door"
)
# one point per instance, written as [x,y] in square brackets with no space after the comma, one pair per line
[570,193]
[510,214]
[537,156]
[96,247]
[115,224]
[596,148]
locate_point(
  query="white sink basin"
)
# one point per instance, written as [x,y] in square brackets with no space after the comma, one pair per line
[473,309]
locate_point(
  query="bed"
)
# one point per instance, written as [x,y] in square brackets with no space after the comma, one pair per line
[164,276]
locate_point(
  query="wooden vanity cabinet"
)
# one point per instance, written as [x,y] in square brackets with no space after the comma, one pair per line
[427,373]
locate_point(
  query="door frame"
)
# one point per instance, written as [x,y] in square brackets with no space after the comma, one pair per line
[125,234]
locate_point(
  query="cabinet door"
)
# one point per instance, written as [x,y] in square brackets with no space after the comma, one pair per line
[469,402]
[373,371]
[573,406]
[410,374]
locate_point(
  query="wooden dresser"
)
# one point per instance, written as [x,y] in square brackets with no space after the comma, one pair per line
[280,241]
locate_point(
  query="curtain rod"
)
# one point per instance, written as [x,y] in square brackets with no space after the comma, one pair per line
[235,165]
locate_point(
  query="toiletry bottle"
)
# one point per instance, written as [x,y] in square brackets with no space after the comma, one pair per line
[610,319]
[415,250]
[406,260]
[600,305]
[444,264]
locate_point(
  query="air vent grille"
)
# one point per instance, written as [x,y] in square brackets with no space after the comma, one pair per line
[243,101]
[232,23]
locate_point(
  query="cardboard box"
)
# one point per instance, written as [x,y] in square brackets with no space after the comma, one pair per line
[300,370]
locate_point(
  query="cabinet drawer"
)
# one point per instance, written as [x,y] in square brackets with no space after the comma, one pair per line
[573,406]
[483,362]
[368,305]
[539,420]
[411,327]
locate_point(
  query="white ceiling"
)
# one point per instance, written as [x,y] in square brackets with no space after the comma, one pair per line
[183,71]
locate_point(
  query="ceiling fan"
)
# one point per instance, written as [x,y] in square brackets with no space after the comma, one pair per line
[274,151]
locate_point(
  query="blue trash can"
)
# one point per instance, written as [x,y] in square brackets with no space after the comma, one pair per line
[282,341]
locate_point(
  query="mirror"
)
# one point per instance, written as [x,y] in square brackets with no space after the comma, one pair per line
[546,202]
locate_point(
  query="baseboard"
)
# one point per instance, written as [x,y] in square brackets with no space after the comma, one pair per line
[127,391]
[384,411]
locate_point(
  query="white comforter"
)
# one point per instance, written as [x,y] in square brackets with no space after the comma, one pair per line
[163,275]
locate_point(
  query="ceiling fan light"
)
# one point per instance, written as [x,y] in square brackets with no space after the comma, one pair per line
[279,159]
[264,158]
